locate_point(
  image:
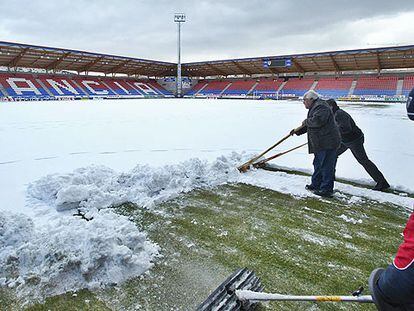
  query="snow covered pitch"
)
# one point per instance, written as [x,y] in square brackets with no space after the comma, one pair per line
[58,159]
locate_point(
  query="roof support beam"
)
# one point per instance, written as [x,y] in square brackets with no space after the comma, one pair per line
[39,58]
[297,65]
[15,61]
[91,64]
[379,67]
[55,63]
[315,63]
[335,64]
[356,63]
[244,70]
[118,67]
[217,70]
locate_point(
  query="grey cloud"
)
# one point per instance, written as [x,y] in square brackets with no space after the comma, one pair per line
[145,29]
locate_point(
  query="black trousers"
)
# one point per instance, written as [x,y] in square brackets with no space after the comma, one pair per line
[358,150]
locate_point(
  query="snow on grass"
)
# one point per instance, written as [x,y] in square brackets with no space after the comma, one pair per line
[40,140]
[350,219]
[109,248]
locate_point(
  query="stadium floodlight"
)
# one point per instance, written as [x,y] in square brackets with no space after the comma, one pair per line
[179,18]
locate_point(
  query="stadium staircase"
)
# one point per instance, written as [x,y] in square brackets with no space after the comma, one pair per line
[224,90]
[109,88]
[400,84]
[252,88]
[352,89]
[282,86]
[202,88]
[44,87]
[3,91]
[315,83]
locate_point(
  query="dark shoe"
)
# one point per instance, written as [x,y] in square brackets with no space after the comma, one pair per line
[324,194]
[311,188]
[381,186]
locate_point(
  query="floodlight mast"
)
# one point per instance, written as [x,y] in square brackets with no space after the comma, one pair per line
[179,18]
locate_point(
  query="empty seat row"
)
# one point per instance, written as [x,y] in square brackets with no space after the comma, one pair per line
[327,86]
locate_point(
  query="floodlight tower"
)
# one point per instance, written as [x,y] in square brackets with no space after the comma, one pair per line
[179,18]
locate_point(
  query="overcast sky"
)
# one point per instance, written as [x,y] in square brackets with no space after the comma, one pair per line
[214,29]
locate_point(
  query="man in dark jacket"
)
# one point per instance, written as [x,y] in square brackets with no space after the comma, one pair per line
[393,288]
[323,141]
[352,138]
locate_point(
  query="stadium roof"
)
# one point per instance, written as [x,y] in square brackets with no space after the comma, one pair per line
[337,61]
[40,57]
[32,56]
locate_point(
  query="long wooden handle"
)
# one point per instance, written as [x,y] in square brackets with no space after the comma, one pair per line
[244,166]
[277,155]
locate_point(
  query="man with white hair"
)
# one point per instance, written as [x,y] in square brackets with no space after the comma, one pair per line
[323,141]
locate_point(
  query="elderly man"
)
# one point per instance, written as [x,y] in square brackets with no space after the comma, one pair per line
[323,141]
[352,138]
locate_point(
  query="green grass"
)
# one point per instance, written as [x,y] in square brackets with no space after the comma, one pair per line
[296,246]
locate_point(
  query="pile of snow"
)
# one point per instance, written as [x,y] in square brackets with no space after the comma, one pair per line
[98,187]
[36,255]
[70,253]
[58,252]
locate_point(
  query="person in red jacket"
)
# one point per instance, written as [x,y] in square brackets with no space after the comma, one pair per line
[393,288]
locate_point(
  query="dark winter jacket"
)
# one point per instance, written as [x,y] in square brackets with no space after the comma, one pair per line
[410,105]
[323,133]
[347,128]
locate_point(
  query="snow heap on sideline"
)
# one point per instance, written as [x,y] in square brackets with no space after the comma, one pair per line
[70,253]
[98,187]
[56,252]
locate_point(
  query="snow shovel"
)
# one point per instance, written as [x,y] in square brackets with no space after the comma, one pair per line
[243,291]
[245,166]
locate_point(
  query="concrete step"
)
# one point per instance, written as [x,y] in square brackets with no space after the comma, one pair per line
[352,88]
[400,84]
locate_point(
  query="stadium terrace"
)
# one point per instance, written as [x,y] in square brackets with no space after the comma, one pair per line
[32,72]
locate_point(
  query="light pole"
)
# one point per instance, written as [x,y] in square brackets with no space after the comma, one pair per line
[179,18]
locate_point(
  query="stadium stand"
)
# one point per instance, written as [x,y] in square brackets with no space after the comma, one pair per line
[159,89]
[121,87]
[22,86]
[197,87]
[334,87]
[239,87]
[377,86]
[93,86]
[42,86]
[267,87]
[61,86]
[214,88]
[408,85]
[297,87]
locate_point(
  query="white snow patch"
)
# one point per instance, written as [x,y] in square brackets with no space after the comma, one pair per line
[350,219]
[317,240]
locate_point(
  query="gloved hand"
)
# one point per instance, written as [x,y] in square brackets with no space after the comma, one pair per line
[292,132]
